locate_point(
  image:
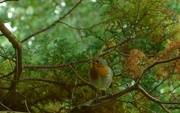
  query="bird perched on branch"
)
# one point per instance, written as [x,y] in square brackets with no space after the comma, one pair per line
[100,74]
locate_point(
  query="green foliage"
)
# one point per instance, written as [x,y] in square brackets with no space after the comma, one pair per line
[148,27]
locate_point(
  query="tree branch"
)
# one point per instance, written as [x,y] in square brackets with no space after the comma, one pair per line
[153,98]
[103,99]
[80,78]
[154,64]
[7,1]
[52,25]
[165,108]
[16,46]
[82,28]
[42,80]
[55,66]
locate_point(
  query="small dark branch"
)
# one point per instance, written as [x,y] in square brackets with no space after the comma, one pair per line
[31,102]
[163,80]
[115,47]
[60,18]
[123,54]
[6,107]
[55,66]
[165,108]
[174,107]
[4,88]
[7,1]
[7,74]
[146,94]
[80,78]
[137,101]
[154,64]
[6,56]
[82,28]
[121,74]
[103,99]
[52,25]
[74,88]
[1,35]
[41,80]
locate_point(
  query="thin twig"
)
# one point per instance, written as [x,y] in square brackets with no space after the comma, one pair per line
[42,80]
[26,106]
[52,25]
[153,98]
[72,95]
[80,78]
[7,74]
[82,28]
[55,66]
[6,107]
[154,64]
[7,1]
[136,100]
[31,101]
[104,99]
[165,108]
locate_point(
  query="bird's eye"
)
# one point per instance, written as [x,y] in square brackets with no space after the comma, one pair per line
[97,61]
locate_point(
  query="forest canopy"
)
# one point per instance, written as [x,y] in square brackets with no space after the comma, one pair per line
[46,46]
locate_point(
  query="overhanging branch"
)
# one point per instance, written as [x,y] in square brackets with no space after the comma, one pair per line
[17,46]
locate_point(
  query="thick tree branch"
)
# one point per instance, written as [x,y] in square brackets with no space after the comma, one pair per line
[17,47]
[103,99]
[18,68]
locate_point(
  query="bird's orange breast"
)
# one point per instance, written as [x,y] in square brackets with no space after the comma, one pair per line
[98,71]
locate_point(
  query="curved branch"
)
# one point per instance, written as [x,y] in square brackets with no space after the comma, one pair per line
[103,99]
[153,98]
[18,50]
[52,25]
[154,64]
[80,78]
[165,108]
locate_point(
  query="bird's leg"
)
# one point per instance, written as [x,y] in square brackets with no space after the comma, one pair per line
[103,92]
[109,93]
[97,95]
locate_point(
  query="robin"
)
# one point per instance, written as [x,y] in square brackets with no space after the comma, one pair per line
[100,74]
